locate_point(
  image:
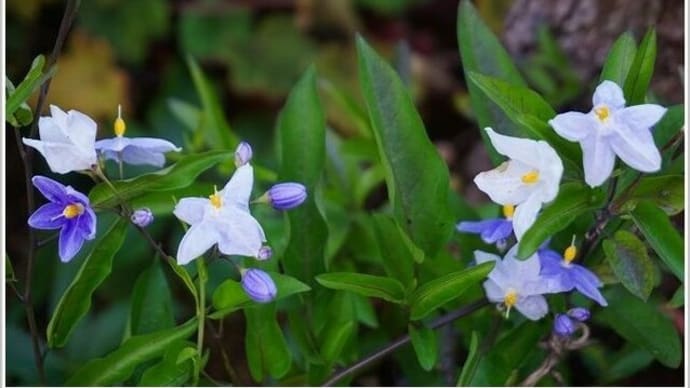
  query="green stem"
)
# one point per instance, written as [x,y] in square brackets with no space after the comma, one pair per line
[201,305]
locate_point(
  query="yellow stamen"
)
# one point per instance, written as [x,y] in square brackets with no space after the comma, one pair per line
[508,211]
[602,112]
[509,300]
[216,201]
[570,252]
[119,127]
[531,177]
[73,210]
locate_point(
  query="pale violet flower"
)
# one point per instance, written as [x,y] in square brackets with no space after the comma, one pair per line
[134,150]
[527,180]
[492,231]
[223,218]
[611,129]
[66,140]
[517,283]
[562,270]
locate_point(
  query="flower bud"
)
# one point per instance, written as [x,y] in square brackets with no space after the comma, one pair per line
[265,253]
[142,217]
[579,314]
[284,196]
[563,325]
[243,154]
[258,285]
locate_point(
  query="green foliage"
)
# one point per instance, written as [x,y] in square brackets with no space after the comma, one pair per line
[397,254]
[641,70]
[168,372]
[267,351]
[425,346]
[151,305]
[661,235]
[17,111]
[367,285]
[628,258]
[471,362]
[619,59]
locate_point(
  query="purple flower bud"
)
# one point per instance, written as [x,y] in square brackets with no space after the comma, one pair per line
[284,196]
[258,285]
[265,253]
[579,314]
[243,154]
[563,325]
[142,217]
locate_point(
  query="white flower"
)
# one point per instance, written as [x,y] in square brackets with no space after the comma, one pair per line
[67,140]
[222,219]
[516,283]
[611,129]
[529,179]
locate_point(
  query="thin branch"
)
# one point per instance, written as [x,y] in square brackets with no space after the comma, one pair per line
[441,321]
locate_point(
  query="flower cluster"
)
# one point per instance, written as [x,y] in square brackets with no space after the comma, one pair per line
[530,179]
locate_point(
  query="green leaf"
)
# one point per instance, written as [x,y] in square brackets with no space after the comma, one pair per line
[471,362]
[574,199]
[626,362]
[33,79]
[302,134]
[9,270]
[416,176]
[218,133]
[642,324]
[179,175]
[669,125]
[619,59]
[340,326]
[628,258]
[367,285]
[397,257]
[665,191]
[440,291]
[678,298]
[168,372]
[229,296]
[76,301]
[481,52]
[152,306]
[425,346]
[117,366]
[661,235]
[641,70]
[267,351]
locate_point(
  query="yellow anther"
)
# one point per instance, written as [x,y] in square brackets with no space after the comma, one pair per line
[602,112]
[509,300]
[531,177]
[119,127]
[508,211]
[570,252]
[216,200]
[73,210]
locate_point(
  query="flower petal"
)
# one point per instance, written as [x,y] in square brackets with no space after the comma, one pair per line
[115,144]
[238,189]
[53,191]
[138,156]
[191,210]
[523,150]
[81,130]
[52,129]
[481,257]
[587,283]
[533,307]
[490,230]
[573,126]
[525,215]
[153,144]
[610,94]
[241,235]
[636,148]
[198,239]
[87,223]
[494,293]
[598,159]
[48,216]
[641,117]
[504,183]
[62,158]
[70,242]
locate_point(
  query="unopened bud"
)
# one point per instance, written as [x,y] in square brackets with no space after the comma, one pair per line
[243,154]
[579,314]
[563,325]
[265,253]
[284,196]
[258,285]
[142,217]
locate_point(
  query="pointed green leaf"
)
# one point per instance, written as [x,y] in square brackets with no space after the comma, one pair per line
[363,284]
[397,258]
[267,351]
[440,291]
[628,258]
[179,175]
[665,191]
[340,326]
[168,372]
[661,235]
[471,362]
[642,324]
[302,134]
[9,270]
[416,176]
[76,301]
[33,79]
[619,59]
[641,70]
[574,199]
[678,298]
[152,307]
[425,346]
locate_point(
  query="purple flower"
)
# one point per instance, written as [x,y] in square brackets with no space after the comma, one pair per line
[136,151]
[258,285]
[69,211]
[284,196]
[493,231]
[570,275]
[142,217]
[563,325]
[243,154]
[580,314]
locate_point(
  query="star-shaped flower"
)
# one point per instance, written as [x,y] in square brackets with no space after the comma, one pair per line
[493,231]
[611,129]
[69,211]
[517,283]
[562,270]
[66,140]
[527,180]
[223,218]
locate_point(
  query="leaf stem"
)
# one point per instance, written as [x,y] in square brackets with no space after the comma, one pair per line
[201,305]
[441,321]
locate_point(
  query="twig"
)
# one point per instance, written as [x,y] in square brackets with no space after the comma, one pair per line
[441,321]
[217,335]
